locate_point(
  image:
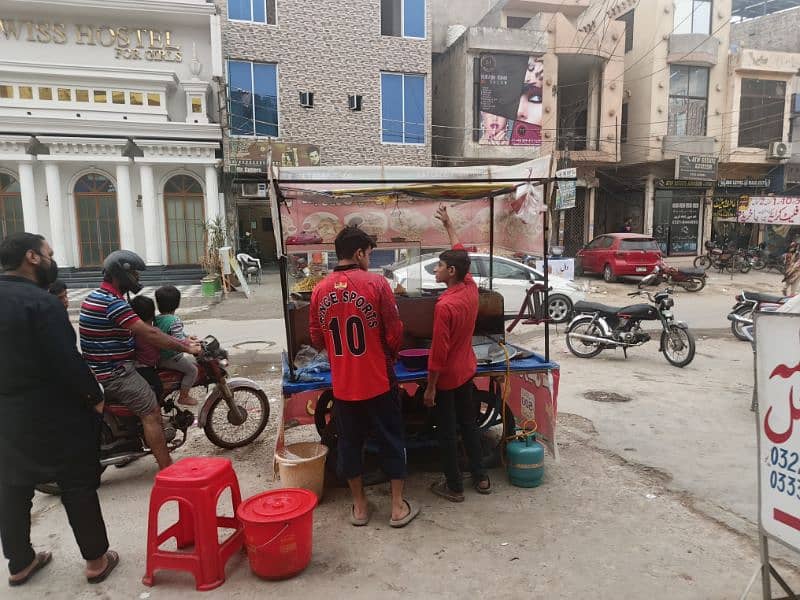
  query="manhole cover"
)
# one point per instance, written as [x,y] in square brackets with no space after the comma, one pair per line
[600,396]
[254,345]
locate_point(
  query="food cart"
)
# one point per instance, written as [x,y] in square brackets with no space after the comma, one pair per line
[495,209]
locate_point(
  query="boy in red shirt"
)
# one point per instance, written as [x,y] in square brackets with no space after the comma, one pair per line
[451,367]
[354,316]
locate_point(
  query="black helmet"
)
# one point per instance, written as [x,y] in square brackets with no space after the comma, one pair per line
[120,264]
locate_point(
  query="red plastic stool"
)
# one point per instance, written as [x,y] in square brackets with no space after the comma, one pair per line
[196,484]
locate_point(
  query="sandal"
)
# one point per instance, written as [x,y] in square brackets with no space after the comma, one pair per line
[41,560]
[356,522]
[113,560]
[483,490]
[440,489]
[413,511]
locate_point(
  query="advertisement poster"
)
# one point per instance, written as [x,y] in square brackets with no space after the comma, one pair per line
[511,100]
[244,155]
[778,385]
[685,226]
[696,167]
[770,210]
[565,194]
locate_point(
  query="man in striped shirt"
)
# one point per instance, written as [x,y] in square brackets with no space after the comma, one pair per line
[107,327]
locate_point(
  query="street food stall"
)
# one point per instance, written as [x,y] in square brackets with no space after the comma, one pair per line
[494,209]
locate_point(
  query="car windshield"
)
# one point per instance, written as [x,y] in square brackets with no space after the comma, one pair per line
[402,264]
[639,244]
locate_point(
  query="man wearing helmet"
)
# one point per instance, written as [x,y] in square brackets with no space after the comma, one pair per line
[107,327]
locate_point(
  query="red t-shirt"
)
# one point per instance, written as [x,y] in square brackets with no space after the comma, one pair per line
[453,325]
[354,316]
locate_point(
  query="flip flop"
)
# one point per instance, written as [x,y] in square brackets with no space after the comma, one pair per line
[359,522]
[113,561]
[440,489]
[413,511]
[42,560]
[479,489]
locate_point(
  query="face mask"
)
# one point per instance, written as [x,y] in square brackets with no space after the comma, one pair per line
[45,275]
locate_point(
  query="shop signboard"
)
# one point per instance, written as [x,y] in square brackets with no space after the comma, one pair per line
[511,100]
[671,184]
[684,227]
[770,210]
[761,182]
[696,167]
[725,207]
[565,194]
[250,156]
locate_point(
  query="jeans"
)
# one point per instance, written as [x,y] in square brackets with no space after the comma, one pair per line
[184,363]
[79,497]
[458,408]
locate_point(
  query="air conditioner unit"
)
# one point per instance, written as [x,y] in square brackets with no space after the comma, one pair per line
[306,99]
[354,102]
[779,150]
[254,190]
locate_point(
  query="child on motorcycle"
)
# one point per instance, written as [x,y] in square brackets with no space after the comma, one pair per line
[147,355]
[168,298]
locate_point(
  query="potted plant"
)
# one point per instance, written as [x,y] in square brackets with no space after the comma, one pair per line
[210,261]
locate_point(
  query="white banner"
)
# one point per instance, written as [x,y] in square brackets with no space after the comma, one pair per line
[770,210]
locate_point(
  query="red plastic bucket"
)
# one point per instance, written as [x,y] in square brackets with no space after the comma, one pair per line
[278,531]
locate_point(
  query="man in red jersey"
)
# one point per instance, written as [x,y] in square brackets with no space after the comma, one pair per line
[354,316]
[451,367]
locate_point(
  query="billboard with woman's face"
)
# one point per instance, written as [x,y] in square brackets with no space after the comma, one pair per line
[510,100]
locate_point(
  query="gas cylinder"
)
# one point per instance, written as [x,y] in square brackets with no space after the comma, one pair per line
[525,460]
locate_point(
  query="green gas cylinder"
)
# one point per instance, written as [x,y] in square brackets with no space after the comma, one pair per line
[525,460]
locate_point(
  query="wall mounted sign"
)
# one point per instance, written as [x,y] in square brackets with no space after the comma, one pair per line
[696,167]
[250,156]
[682,183]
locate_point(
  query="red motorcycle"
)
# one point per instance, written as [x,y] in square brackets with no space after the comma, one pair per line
[692,280]
[234,414]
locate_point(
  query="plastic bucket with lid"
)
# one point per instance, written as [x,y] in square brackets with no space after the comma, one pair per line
[302,465]
[278,529]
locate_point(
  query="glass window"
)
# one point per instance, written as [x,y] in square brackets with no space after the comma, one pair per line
[82,95]
[137,99]
[688,100]
[692,16]
[516,22]
[25,92]
[118,97]
[6,91]
[402,108]
[623,125]
[45,93]
[403,18]
[639,244]
[197,105]
[153,99]
[506,270]
[761,112]
[253,97]
[257,11]
[64,95]
[627,18]
[100,96]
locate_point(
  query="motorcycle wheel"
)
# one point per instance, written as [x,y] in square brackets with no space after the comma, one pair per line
[758,263]
[744,265]
[702,262]
[223,426]
[579,347]
[695,284]
[677,344]
[738,328]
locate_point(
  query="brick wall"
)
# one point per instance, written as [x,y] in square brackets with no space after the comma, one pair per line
[332,49]
[776,32]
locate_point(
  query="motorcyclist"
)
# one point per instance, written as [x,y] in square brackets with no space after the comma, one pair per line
[107,327]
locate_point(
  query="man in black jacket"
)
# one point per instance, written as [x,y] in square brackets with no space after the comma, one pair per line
[49,414]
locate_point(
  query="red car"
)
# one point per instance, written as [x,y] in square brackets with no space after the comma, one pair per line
[620,254]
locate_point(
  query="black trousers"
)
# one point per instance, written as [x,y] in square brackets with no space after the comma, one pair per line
[458,409]
[79,497]
[354,422]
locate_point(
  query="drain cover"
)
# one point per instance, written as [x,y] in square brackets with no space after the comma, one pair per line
[600,396]
[254,345]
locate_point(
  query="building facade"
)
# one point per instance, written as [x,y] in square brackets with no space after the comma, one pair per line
[333,83]
[110,131]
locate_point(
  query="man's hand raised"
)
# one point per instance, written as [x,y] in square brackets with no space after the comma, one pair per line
[194,347]
[441,214]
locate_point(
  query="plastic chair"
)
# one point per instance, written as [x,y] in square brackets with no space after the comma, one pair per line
[196,484]
[251,266]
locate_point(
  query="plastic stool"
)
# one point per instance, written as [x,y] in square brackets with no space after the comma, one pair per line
[196,484]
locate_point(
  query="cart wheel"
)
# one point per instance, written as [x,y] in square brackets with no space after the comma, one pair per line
[323,420]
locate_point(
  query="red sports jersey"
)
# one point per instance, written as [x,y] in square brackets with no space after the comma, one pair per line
[354,316]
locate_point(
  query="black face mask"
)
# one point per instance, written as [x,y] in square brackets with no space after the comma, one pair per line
[46,275]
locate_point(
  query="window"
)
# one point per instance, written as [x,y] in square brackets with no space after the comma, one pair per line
[25,92]
[153,99]
[197,105]
[623,126]
[402,108]
[118,97]
[256,11]
[516,22]
[761,112]
[640,244]
[45,93]
[137,99]
[504,270]
[81,95]
[627,18]
[6,91]
[403,18]
[253,98]
[64,95]
[688,100]
[600,242]
[100,96]
[692,16]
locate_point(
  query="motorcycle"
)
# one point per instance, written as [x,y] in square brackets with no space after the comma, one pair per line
[761,259]
[598,327]
[692,280]
[729,259]
[747,303]
[234,414]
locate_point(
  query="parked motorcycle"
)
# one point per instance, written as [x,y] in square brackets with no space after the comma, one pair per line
[761,259]
[723,259]
[692,280]
[747,303]
[598,327]
[234,414]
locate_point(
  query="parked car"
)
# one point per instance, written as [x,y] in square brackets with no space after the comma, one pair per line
[616,255]
[510,278]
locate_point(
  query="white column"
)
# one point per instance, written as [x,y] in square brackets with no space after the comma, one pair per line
[28,192]
[127,237]
[649,204]
[58,215]
[152,229]
[590,217]
[212,194]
